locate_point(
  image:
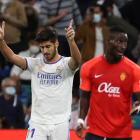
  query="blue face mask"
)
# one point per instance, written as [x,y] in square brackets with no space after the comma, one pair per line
[10,90]
[97,18]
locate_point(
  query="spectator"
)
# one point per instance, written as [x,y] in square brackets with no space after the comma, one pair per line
[74,114]
[13,13]
[34,3]
[92,35]
[89,14]
[58,14]
[18,84]
[121,3]
[25,76]
[112,8]
[131,13]
[33,51]
[33,22]
[83,5]
[10,106]
[132,32]
[136,52]
[32,17]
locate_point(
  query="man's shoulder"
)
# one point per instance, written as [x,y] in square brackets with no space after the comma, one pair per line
[88,24]
[63,58]
[34,59]
[130,63]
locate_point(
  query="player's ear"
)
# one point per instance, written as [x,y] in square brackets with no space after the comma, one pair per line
[107,41]
[57,43]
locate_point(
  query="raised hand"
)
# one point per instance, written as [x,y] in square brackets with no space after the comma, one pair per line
[69,32]
[2,31]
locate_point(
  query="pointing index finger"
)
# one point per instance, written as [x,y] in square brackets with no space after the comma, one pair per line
[70,25]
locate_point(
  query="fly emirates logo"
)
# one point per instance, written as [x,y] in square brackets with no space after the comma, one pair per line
[107,88]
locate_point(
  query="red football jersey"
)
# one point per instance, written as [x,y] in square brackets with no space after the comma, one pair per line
[111,87]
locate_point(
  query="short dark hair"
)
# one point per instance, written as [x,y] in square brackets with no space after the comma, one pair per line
[90,10]
[102,9]
[47,34]
[116,29]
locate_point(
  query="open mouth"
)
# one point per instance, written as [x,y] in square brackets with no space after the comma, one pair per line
[120,53]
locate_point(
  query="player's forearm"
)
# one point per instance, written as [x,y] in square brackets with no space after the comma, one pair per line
[75,53]
[84,105]
[6,51]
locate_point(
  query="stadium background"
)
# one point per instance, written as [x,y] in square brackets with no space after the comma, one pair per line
[21,134]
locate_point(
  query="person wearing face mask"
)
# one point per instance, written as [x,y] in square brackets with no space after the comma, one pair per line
[10,106]
[25,76]
[33,51]
[91,34]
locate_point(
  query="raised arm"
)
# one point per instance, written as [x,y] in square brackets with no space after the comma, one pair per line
[75,53]
[8,53]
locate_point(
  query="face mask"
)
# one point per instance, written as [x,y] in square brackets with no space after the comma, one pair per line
[34,49]
[97,18]
[5,1]
[10,90]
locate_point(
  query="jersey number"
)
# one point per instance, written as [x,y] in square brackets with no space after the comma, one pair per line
[32,133]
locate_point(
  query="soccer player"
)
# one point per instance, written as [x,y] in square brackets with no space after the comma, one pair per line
[107,84]
[52,79]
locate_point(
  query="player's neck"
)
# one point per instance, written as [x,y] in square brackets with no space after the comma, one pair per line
[55,59]
[111,59]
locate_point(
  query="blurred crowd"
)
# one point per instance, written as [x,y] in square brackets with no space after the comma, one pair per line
[25,18]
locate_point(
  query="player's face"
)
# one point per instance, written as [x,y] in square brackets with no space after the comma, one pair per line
[49,49]
[117,44]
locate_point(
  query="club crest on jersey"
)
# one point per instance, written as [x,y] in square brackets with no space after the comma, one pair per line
[123,76]
[40,67]
[58,68]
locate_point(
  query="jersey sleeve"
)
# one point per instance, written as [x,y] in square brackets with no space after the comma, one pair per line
[67,59]
[85,82]
[30,63]
[136,84]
